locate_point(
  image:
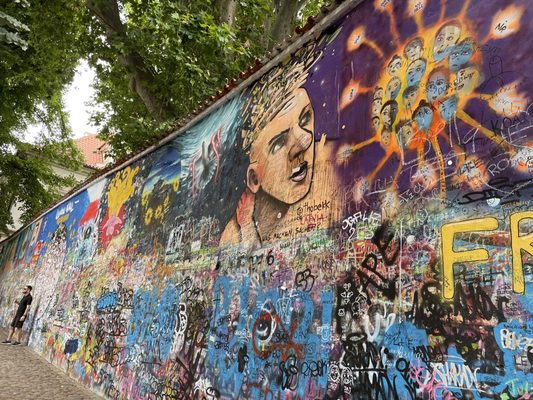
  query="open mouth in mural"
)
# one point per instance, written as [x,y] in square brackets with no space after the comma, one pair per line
[299,173]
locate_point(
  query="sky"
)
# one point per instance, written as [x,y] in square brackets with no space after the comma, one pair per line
[76,97]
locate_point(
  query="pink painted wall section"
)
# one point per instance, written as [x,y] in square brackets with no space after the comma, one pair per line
[355,224]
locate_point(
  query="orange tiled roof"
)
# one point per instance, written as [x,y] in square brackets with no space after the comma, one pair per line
[92,149]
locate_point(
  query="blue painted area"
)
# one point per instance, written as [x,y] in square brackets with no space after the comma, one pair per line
[66,216]
[107,302]
[165,322]
[217,351]
[401,340]
[512,339]
[292,340]
[142,315]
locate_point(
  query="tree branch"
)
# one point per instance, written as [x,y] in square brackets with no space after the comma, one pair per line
[227,10]
[286,13]
[141,79]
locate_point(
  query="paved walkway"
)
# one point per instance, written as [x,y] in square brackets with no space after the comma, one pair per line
[26,376]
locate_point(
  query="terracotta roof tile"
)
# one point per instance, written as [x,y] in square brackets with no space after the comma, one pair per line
[92,149]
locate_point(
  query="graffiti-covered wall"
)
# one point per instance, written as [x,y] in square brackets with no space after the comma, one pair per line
[355,224]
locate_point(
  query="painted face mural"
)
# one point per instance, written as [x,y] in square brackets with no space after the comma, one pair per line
[448,107]
[460,54]
[437,84]
[413,49]
[356,222]
[394,66]
[389,113]
[423,116]
[282,155]
[445,40]
[410,95]
[393,88]
[415,71]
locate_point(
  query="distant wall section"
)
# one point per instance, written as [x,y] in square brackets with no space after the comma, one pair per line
[355,224]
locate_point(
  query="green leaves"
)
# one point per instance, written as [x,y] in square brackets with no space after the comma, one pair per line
[191,51]
[39,50]
[9,31]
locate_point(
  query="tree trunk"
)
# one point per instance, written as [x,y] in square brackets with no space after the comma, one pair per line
[265,40]
[227,10]
[107,12]
[286,12]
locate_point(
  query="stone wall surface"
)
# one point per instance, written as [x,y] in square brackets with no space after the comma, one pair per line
[355,224]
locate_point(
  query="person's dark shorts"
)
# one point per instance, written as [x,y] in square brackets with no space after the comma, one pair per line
[17,323]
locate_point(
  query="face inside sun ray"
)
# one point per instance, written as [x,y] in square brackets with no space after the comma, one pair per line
[437,84]
[460,54]
[448,107]
[395,64]
[424,86]
[357,38]
[393,88]
[423,116]
[413,49]
[389,111]
[445,39]
[415,72]
[508,101]
[350,93]
[415,8]
[506,22]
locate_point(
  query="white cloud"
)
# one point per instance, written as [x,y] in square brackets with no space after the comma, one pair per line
[76,97]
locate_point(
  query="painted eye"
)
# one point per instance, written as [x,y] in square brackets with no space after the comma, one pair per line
[278,142]
[305,118]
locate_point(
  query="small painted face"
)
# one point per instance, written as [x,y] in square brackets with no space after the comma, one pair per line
[378,94]
[393,88]
[436,86]
[386,137]
[423,117]
[410,95]
[334,373]
[413,50]
[282,155]
[394,65]
[388,114]
[448,107]
[446,38]
[376,123]
[460,55]
[376,106]
[415,71]
[466,81]
[347,376]
[405,134]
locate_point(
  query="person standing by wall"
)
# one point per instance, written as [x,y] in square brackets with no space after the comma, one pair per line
[23,310]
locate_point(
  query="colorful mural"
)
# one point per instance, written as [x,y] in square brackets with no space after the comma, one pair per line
[355,224]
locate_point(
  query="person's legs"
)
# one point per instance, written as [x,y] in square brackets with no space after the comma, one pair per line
[17,335]
[16,328]
[11,332]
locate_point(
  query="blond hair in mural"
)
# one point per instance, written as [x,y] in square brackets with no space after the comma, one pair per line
[269,92]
